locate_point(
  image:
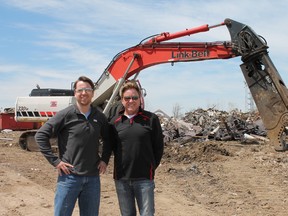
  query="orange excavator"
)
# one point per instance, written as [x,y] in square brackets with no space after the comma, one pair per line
[265,83]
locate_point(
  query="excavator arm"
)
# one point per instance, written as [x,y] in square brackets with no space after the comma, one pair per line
[265,83]
[153,52]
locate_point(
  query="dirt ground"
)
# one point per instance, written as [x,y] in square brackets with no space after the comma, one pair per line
[198,178]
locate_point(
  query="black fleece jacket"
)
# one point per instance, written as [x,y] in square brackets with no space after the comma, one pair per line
[138,145]
[78,139]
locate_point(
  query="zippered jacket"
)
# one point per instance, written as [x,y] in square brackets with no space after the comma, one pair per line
[78,139]
[138,145]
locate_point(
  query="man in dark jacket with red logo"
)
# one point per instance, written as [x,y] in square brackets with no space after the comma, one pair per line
[138,149]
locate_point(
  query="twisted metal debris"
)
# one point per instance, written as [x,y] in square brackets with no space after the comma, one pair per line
[212,124]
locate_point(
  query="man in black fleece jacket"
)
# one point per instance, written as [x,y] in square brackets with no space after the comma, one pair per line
[78,129]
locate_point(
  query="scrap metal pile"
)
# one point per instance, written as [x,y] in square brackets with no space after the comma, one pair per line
[211,124]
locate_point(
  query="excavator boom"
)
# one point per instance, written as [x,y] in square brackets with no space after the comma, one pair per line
[153,52]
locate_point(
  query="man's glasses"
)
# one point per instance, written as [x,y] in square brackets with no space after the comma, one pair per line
[128,98]
[88,90]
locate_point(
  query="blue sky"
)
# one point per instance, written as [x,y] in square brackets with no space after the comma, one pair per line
[53,42]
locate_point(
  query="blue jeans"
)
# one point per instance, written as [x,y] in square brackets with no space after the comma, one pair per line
[72,187]
[140,190]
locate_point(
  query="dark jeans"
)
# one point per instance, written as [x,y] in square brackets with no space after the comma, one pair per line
[140,190]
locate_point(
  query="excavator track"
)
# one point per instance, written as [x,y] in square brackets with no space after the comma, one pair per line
[27,142]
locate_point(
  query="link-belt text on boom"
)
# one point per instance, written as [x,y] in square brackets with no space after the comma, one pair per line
[190,54]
